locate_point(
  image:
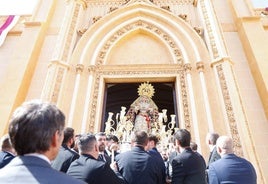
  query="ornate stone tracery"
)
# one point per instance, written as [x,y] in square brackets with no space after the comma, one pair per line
[229,110]
[209,30]
[99,72]
[176,71]
[144,25]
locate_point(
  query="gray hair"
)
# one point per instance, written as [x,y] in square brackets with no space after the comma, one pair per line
[86,143]
[212,137]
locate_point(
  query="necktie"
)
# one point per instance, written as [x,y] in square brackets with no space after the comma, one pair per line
[101,157]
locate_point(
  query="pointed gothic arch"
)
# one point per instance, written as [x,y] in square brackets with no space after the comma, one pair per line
[179,37]
[186,51]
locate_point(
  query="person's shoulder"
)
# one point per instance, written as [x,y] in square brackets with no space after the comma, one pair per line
[186,155]
[64,178]
[67,152]
[74,153]
[4,155]
[96,166]
[245,161]
[217,163]
[125,153]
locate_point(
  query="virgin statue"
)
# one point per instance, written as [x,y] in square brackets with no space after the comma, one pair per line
[143,111]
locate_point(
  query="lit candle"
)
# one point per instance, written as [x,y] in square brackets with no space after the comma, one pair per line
[112,155]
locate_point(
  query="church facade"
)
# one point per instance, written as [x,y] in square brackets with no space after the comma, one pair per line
[214,53]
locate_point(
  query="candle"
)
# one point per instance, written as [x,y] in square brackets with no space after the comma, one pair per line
[112,155]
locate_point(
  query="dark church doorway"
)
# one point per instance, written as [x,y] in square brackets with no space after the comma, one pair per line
[124,94]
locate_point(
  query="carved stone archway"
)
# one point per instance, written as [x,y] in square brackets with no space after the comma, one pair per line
[186,63]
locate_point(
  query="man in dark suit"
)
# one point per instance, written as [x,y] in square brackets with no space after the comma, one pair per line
[194,148]
[112,146]
[103,155]
[152,150]
[136,165]
[187,166]
[66,155]
[230,168]
[172,155]
[88,168]
[211,139]
[7,152]
[36,132]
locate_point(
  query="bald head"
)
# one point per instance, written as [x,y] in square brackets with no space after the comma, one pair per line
[224,145]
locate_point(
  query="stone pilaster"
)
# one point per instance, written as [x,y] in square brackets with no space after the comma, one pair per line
[63,50]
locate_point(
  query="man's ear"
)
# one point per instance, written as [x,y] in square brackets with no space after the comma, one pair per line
[218,150]
[96,147]
[178,143]
[56,139]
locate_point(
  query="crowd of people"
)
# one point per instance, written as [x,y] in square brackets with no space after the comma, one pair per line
[40,149]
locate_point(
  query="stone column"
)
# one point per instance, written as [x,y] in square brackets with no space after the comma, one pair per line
[223,73]
[195,125]
[200,68]
[63,51]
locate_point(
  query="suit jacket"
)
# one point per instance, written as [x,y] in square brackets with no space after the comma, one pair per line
[138,167]
[172,155]
[110,153]
[93,171]
[33,170]
[232,169]
[188,168]
[213,156]
[107,158]
[5,158]
[64,159]
[160,162]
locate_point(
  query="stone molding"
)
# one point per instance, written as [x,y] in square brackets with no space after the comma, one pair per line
[144,25]
[106,72]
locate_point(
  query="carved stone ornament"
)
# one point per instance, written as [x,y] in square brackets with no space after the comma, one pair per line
[111,9]
[79,68]
[183,16]
[187,67]
[200,66]
[208,26]
[96,18]
[80,32]
[229,110]
[199,30]
[166,8]
[144,25]
[83,3]
[98,74]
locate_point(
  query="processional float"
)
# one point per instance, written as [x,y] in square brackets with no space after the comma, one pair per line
[143,114]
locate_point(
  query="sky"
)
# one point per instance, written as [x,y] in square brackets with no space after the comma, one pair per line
[17,7]
[26,7]
[260,3]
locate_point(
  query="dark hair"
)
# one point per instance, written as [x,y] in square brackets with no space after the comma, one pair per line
[153,138]
[86,143]
[184,137]
[99,134]
[68,134]
[213,137]
[193,146]
[33,125]
[112,137]
[5,143]
[140,137]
